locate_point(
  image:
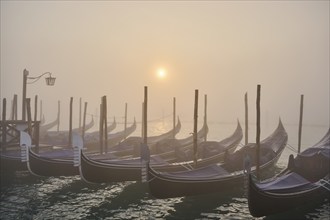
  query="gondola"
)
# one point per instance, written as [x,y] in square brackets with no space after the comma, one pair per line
[209,152]
[91,137]
[48,165]
[10,161]
[131,146]
[62,137]
[93,145]
[304,181]
[173,149]
[218,177]
[52,162]
[46,127]
[118,170]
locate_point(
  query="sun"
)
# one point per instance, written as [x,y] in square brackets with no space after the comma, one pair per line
[161,73]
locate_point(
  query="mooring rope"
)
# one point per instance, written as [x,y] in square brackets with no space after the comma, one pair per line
[187,166]
[324,182]
[291,148]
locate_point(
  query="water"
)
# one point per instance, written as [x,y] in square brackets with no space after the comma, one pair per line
[24,196]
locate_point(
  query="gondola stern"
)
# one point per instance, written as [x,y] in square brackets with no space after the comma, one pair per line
[253,197]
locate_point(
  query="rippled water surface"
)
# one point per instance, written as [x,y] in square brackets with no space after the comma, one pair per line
[24,196]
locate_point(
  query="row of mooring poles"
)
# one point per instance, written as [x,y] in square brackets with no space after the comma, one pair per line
[13,114]
[14,108]
[32,130]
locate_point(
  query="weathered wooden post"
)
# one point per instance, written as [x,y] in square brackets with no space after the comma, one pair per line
[35,140]
[101,127]
[25,75]
[40,110]
[145,115]
[4,125]
[70,122]
[300,121]
[58,115]
[29,119]
[174,116]
[125,121]
[195,126]
[205,114]
[142,124]
[246,119]
[36,134]
[144,150]
[84,122]
[14,108]
[258,134]
[105,115]
[35,107]
[80,113]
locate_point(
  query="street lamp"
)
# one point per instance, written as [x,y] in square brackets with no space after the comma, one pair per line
[50,81]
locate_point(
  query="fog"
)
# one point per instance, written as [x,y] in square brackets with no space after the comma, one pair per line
[222,48]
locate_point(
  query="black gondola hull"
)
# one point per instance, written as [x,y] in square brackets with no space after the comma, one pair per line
[303,183]
[161,187]
[96,172]
[262,203]
[41,166]
[217,178]
[10,164]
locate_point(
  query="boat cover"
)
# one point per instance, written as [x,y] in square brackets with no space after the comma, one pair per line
[205,172]
[289,181]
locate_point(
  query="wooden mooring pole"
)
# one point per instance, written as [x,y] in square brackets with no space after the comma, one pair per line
[101,128]
[174,117]
[35,107]
[25,75]
[105,119]
[70,122]
[84,122]
[205,114]
[4,125]
[195,126]
[14,108]
[246,119]
[125,121]
[28,110]
[258,134]
[300,121]
[58,115]
[142,124]
[80,112]
[40,114]
[145,116]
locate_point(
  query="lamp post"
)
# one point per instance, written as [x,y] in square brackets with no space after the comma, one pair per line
[50,81]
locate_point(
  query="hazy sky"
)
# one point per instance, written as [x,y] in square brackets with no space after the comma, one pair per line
[222,48]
